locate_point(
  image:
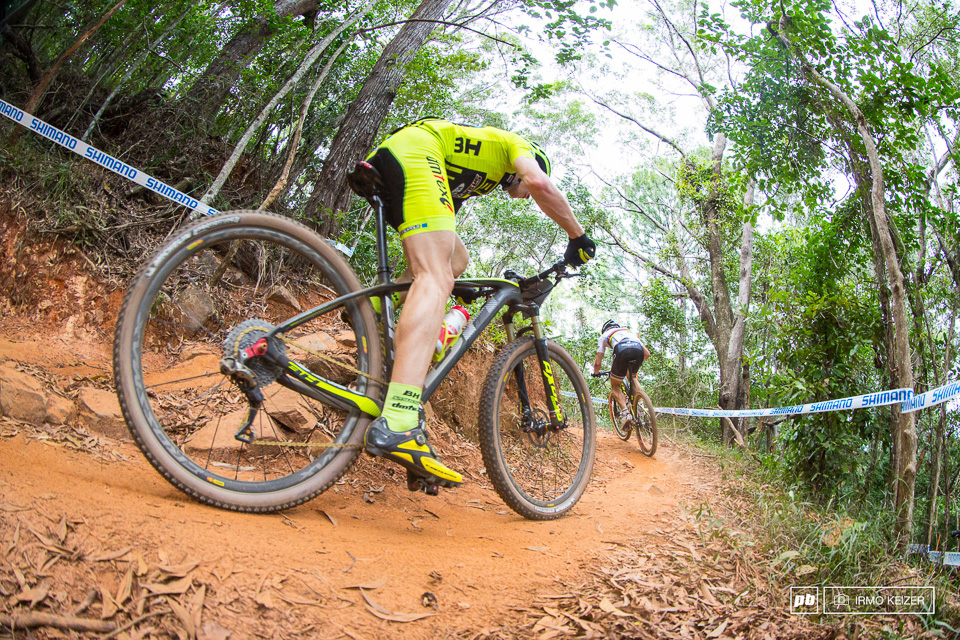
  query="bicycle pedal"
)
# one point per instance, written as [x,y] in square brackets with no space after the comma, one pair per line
[419,483]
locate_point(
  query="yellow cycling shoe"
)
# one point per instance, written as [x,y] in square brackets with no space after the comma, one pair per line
[410,449]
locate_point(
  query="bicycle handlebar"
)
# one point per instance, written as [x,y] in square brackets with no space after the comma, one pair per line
[559,268]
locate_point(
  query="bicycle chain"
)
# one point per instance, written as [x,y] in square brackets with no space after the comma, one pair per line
[323,445]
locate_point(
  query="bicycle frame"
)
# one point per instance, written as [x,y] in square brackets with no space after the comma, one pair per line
[500,293]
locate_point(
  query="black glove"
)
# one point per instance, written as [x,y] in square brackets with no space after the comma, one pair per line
[579,251]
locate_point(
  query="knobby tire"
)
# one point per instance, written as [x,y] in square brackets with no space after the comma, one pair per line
[235,275]
[645,423]
[538,473]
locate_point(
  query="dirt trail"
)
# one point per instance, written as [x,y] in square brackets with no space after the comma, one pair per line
[476,557]
[290,574]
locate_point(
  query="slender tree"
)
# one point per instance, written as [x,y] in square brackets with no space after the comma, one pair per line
[312,55]
[360,124]
[211,89]
[905,465]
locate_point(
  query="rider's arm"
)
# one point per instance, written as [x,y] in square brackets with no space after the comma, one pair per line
[547,196]
[597,362]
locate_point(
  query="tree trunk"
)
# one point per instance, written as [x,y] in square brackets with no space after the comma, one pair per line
[362,120]
[41,88]
[863,180]
[211,89]
[938,449]
[281,183]
[906,469]
[305,65]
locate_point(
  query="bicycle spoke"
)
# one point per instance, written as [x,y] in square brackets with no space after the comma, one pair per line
[218,296]
[542,462]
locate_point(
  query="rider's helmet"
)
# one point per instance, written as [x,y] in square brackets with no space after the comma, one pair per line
[609,324]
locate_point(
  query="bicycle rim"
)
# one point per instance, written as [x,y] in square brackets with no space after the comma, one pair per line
[216,288]
[539,473]
[646,423]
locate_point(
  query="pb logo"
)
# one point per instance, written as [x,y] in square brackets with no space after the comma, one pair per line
[804,600]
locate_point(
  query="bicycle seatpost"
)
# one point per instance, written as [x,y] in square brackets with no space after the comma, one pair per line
[383,263]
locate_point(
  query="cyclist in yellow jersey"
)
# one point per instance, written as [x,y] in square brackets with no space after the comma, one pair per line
[430,167]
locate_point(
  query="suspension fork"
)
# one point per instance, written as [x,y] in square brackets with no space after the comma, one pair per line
[519,373]
[546,371]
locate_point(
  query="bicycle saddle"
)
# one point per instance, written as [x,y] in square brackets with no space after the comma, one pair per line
[365,180]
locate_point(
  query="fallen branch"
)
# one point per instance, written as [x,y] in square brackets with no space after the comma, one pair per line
[735,431]
[30,620]
[115,632]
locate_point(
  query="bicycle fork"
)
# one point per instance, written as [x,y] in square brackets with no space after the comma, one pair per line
[546,371]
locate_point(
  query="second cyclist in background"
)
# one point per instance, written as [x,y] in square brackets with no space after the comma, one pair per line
[628,355]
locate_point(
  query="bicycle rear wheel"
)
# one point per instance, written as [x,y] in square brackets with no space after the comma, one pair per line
[213,290]
[645,423]
[538,472]
[624,430]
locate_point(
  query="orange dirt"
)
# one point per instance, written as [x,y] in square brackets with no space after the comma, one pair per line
[282,573]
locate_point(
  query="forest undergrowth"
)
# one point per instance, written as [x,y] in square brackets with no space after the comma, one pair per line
[804,542]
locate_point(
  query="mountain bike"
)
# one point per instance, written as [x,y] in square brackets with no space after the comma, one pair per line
[641,417]
[249,361]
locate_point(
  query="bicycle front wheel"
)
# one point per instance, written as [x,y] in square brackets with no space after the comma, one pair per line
[206,298]
[645,423]
[538,471]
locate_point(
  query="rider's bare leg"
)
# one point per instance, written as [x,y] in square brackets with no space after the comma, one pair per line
[616,388]
[458,264]
[430,257]
[634,385]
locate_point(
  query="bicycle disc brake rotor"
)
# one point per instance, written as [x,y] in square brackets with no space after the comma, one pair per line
[536,426]
[245,335]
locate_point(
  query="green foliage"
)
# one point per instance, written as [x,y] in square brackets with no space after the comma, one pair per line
[563,26]
[808,544]
[824,342]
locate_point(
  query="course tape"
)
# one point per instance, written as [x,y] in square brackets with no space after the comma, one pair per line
[945,558]
[945,393]
[879,399]
[106,161]
[904,397]
[571,394]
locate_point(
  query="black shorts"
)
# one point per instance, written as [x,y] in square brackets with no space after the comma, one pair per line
[627,356]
